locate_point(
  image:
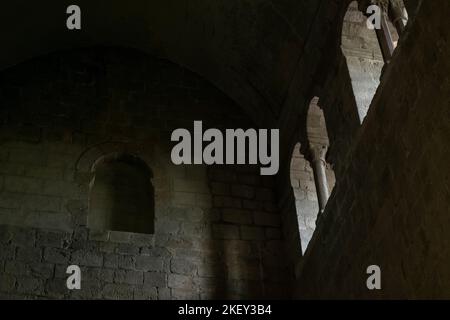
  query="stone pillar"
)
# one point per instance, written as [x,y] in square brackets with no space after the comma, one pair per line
[318,153]
[398,16]
[384,34]
[385,39]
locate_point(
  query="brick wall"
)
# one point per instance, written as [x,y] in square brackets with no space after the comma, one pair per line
[217,230]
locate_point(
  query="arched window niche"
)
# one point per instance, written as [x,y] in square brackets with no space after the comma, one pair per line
[312,178]
[121,195]
[364,57]
[366,49]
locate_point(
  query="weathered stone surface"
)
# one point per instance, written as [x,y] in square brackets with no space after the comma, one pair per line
[180,282]
[145,293]
[6,252]
[7,283]
[183,266]
[224,231]
[149,263]
[252,233]
[155,279]
[128,277]
[237,216]
[87,258]
[266,219]
[27,254]
[56,255]
[118,291]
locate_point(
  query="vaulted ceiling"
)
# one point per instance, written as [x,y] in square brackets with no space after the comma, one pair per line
[250,49]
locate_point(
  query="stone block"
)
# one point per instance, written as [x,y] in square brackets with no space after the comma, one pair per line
[116,291]
[221,189]
[212,269]
[251,204]
[164,294]
[128,277]
[7,283]
[120,237]
[126,248]
[149,263]
[168,226]
[155,279]
[6,252]
[203,200]
[111,260]
[23,237]
[243,191]
[30,286]
[87,258]
[226,202]
[252,233]
[56,255]
[145,293]
[273,233]
[184,198]
[225,231]
[126,261]
[56,288]
[185,294]
[28,254]
[183,266]
[89,274]
[51,239]
[237,216]
[180,282]
[184,185]
[23,184]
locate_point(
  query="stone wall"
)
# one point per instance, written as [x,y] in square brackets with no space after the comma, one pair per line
[390,206]
[217,229]
[341,113]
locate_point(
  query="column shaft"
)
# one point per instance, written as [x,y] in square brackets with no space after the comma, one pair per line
[320,176]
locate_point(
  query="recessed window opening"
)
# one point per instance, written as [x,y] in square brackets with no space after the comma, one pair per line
[121,196]
[312,178]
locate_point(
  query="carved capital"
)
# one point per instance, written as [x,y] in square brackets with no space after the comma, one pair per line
[318,152]
[364,4]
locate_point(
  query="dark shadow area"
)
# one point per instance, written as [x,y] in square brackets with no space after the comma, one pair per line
[122,196]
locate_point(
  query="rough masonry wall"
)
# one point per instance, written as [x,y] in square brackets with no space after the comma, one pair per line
[341,113]
[217,230]
[391,208]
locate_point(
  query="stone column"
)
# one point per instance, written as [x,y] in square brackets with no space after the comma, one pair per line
[398,16]
[318,153]
[384,34]
[385,39]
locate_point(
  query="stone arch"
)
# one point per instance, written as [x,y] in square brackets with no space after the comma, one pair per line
[121,195]
[150,160]
[304,179]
